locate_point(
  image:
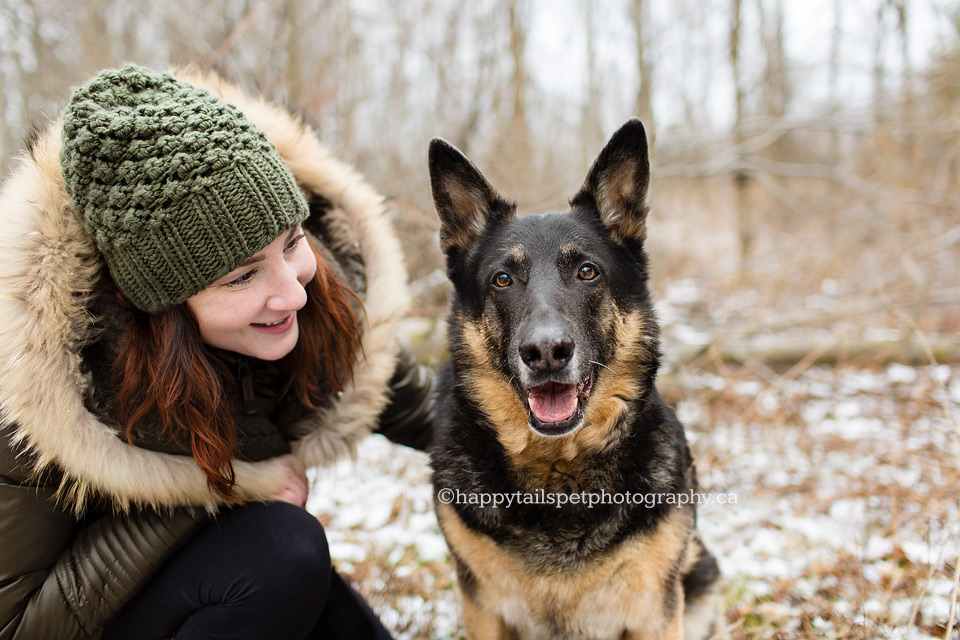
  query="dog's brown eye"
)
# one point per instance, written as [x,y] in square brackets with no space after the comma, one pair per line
[587,272]
[502,280]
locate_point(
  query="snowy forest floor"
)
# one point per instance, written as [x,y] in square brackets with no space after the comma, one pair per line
[846,521]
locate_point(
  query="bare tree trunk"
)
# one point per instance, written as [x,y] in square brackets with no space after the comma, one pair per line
[347,103]
[906,89]
[640,18]
[776,85]
[591,128]
[775,96]
[836,40]
[517,129]
[402,44]
[486,94]
[441,58]
[31,82]
[692,40]
[518,43]
[879,91]
[900,6]
[95,38]
[292,16]
[6,145]
[745,231]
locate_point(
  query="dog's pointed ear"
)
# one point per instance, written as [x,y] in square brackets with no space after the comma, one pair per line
[465,201]
[617,184]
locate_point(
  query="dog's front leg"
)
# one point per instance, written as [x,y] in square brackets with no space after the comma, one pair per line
[671,630]
[482,624]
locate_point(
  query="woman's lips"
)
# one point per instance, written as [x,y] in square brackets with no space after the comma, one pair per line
[281,327]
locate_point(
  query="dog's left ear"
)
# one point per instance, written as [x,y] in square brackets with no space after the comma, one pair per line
[465,201]
[617,184]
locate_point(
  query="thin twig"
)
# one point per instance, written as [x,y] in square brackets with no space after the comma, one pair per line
[926,583]
[953,596]
[237,33]
[794,372]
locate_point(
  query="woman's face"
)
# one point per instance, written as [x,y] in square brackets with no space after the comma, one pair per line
[253,309]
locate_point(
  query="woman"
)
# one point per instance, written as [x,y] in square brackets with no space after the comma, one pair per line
[196,304]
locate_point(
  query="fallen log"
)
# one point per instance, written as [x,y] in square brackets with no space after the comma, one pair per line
[426,339]
[779,353]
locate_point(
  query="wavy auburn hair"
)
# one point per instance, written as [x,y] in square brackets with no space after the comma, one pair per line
[164,369]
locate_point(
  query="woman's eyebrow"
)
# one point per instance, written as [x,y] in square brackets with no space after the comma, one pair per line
[252,260]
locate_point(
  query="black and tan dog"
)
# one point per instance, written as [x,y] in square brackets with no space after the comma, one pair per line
[560,474]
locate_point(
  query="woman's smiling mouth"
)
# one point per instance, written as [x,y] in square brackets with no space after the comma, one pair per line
[280,326]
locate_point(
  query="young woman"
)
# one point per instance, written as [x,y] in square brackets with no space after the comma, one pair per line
[197,303]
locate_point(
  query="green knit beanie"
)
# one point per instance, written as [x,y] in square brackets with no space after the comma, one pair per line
[175,186]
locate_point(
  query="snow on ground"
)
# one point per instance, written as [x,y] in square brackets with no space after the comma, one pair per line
[848,484]
[842,515]
[382,532]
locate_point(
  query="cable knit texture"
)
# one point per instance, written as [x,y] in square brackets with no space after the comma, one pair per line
[175,186]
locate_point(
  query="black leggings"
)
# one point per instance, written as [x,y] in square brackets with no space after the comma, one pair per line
[259,571]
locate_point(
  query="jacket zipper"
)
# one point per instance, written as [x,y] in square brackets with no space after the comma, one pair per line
[245,374]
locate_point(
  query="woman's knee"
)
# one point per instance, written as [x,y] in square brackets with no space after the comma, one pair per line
[255,564]
[301,544]
[286,548]
[297,545]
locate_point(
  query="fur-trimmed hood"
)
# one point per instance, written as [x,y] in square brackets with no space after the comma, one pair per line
[49,266]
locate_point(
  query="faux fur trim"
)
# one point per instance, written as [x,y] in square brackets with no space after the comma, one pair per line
[48,267]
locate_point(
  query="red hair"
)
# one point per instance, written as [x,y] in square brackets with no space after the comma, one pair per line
[164,369]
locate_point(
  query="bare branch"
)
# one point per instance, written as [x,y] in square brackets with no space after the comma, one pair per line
[237,33]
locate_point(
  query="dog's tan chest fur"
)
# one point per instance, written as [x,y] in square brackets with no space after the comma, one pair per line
[626,591]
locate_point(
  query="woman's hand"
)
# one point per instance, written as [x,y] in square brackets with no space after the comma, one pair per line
[295,489]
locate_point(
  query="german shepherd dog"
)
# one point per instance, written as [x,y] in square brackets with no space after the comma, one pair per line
[559,472]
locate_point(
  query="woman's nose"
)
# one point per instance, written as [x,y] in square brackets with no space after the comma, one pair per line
[287,293]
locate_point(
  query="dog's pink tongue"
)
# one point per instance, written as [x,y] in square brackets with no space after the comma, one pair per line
[553,402]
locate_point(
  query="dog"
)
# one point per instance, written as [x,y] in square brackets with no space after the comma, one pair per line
[559,472]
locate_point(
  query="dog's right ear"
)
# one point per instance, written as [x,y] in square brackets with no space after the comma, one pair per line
[617,183]
[464,199]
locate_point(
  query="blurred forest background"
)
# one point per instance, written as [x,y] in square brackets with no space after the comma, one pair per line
[804,238]
[800,149]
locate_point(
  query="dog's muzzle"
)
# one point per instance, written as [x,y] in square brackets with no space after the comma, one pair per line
[554,402]
[556,408]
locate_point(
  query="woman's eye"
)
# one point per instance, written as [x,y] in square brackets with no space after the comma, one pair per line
[502,280]
[293,243]
[242,279]
[587,272]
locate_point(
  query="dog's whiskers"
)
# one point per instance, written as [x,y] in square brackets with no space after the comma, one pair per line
[605,367]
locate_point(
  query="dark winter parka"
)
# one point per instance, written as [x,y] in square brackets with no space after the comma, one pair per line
[85,518]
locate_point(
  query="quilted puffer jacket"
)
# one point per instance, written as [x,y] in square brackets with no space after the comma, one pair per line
[85,518]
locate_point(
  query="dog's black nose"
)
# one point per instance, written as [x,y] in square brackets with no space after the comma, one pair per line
[547,351]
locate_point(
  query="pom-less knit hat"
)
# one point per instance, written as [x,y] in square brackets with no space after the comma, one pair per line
[175,186]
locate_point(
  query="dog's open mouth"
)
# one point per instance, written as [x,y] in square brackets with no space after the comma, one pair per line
[556,408]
